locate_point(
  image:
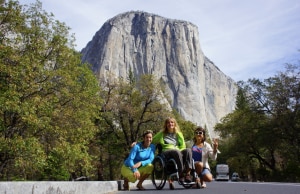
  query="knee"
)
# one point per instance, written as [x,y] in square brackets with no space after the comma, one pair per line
[199,165]
[150,167]
[147,169]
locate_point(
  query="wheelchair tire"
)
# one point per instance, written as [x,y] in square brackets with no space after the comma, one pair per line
[159,176]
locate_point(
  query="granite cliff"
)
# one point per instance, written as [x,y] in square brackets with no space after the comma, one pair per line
[149,44]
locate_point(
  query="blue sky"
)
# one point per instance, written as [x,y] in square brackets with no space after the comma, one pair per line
[245,39]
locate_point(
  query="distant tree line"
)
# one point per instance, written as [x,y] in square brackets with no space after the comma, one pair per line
[262,136]
[58,121]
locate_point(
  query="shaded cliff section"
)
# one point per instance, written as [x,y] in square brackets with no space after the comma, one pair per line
[170,49]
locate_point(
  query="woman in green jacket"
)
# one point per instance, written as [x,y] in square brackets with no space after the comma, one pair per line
[173,146]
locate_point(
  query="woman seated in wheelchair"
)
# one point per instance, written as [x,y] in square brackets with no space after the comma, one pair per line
[173,146]
[201,152]
[138,165]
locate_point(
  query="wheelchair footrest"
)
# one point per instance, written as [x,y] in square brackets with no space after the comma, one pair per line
[188,184]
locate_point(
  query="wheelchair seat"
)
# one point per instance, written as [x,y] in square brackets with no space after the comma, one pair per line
[167,169]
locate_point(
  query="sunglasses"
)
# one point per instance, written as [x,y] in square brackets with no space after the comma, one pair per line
[198,133]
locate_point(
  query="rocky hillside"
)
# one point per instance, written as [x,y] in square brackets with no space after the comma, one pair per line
[170,49]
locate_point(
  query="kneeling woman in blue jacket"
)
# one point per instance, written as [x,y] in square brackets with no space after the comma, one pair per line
[138,165]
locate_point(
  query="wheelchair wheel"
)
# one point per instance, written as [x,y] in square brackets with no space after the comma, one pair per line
[159,176]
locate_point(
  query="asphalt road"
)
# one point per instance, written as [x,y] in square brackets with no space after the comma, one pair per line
[226,188]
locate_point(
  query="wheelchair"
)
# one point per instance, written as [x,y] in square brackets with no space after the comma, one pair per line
[166,169]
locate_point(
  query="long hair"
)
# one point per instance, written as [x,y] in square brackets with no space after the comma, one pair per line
[165,129]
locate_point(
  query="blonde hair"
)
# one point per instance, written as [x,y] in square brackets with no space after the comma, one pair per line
[177,128]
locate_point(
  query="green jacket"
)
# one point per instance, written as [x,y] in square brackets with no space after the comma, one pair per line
[159,139]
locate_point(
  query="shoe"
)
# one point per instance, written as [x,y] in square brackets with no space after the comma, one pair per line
[181,179]
[203,185]
[140,187]
[171,185]
[187,179]
[126,185]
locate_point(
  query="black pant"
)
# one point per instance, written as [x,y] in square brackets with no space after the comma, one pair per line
[183,158]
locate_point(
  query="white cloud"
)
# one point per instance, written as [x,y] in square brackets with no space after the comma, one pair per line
[245,39]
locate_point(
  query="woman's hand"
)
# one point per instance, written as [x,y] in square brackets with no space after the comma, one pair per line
[215,144]
[137,165]
[137,174]
[133,144]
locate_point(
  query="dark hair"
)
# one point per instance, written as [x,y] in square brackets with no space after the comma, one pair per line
[199,128]
[147,132]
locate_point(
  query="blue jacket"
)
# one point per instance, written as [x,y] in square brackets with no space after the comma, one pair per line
[140,154]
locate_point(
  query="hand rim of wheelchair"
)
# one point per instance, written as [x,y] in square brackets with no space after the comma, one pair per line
[160,175]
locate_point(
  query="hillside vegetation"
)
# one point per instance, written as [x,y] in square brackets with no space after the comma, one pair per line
[58,122]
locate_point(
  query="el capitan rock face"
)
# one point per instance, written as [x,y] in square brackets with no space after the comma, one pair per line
[170,49]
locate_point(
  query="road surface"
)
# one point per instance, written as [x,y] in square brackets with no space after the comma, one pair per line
[226,188]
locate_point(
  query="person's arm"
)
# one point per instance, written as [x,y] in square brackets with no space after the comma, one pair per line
[151,156]
[156,138]
[181,141]
[129,161]
[211,152]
